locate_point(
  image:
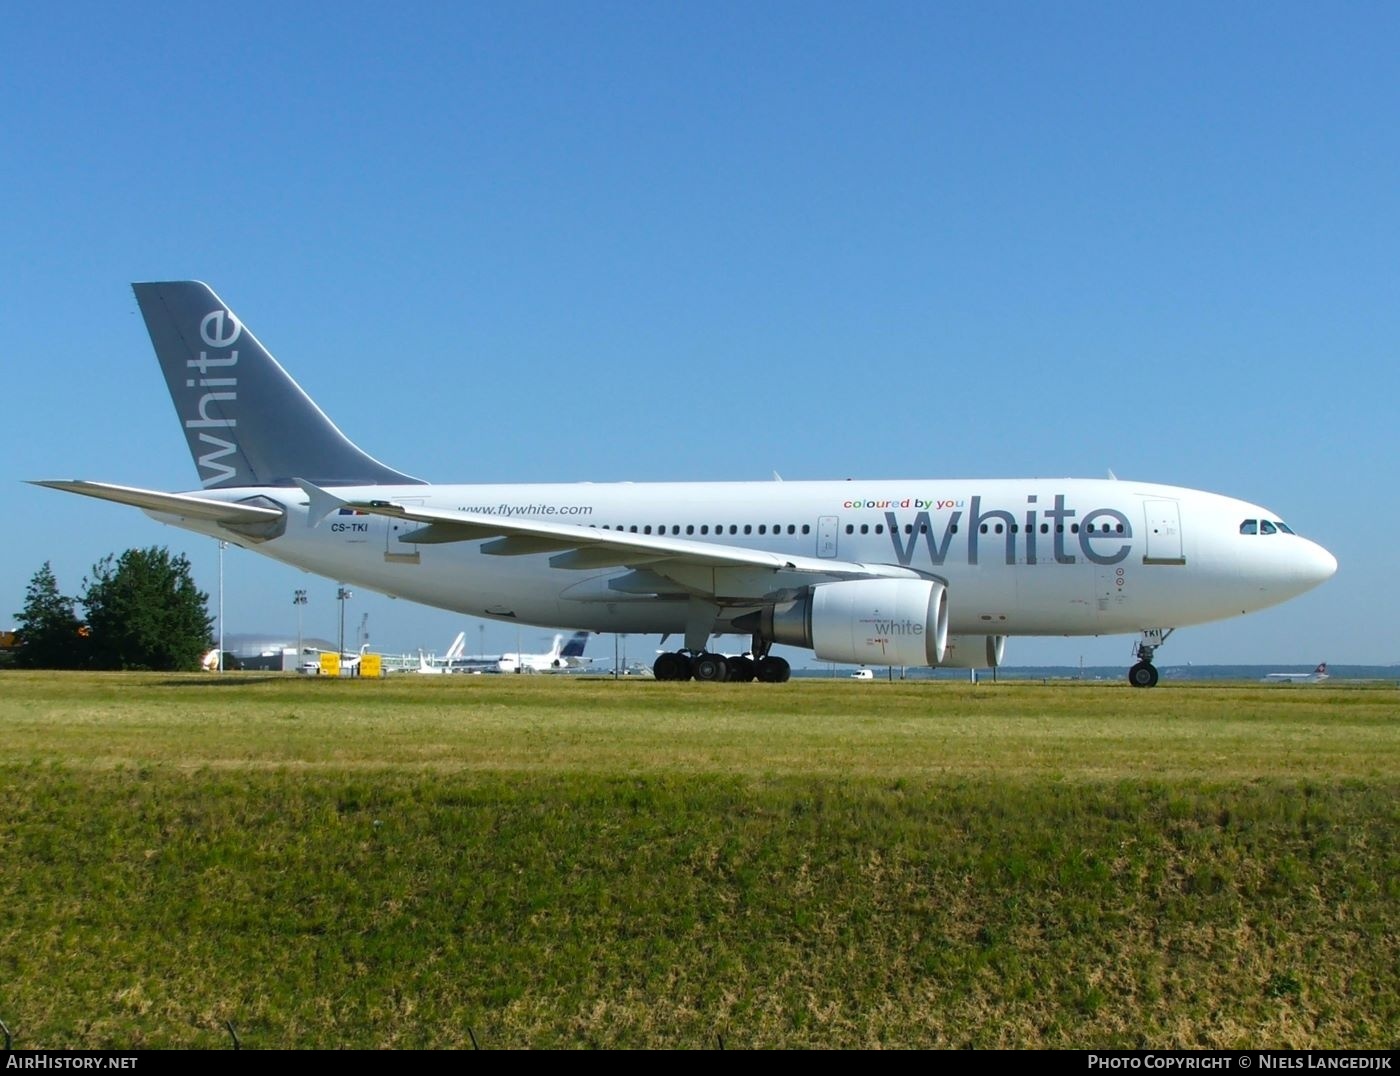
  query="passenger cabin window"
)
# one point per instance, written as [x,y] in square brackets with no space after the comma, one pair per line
[1249,526]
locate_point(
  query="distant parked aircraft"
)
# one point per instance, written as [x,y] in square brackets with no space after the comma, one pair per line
[562,657]
[1315,677]
[436,666]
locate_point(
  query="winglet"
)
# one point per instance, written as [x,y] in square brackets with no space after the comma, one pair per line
[323,503]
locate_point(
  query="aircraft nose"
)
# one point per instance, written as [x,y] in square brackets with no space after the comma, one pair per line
[1315,565]
[1326,564]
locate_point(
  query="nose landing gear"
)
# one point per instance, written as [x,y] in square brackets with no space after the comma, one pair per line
[1144,673]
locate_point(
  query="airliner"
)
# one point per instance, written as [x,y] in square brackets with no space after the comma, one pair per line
[1315,677]
[917,572]
[561,657]
[440,666]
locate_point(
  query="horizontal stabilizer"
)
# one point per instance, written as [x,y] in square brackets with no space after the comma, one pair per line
[187,505]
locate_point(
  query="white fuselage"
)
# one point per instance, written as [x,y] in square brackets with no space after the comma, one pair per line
[1019,557]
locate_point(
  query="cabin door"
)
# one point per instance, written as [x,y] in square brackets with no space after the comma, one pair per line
[1163,533]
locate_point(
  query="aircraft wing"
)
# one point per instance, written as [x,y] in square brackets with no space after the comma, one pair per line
[701,568]
[187,505]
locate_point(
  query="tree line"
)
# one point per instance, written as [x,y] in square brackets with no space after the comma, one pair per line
[140,610]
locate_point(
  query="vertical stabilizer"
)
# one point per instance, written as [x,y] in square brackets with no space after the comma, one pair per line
[575,646]
[247,422]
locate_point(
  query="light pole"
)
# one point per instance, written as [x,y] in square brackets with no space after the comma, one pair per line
[298,599]
[222,546]
[342,595]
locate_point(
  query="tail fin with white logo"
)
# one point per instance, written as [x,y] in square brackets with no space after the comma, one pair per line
[247,422]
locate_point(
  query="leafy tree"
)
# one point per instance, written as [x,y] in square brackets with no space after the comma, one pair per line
[51,636]
[145,612]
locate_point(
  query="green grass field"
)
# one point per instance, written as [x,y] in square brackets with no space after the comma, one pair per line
[567,862]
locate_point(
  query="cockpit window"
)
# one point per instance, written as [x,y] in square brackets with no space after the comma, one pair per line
[1283,526]
[1265,527]
[1249,526]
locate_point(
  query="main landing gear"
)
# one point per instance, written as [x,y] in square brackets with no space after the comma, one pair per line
[1144,673]
[716,668]
[758,664]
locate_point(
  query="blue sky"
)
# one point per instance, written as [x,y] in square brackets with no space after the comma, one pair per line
[538,242]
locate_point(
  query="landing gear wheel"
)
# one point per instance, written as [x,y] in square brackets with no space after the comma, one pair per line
[774,671]
[1143,674]
[671,667]
[741,670]
[710,667]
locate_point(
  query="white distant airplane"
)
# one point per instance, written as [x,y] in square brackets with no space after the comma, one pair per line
[1315,677]
[893,572]
[437,666]
[561,657]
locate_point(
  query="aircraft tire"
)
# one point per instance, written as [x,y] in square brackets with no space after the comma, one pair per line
[710,667]
[1143,674]
[741,670]
[773,670]
[671,667]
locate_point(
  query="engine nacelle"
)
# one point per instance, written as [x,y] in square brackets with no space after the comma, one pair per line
[866,622]
[974,652]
